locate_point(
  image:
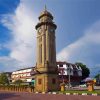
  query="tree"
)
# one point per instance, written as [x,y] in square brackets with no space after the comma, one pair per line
[85,70]
[4,79]
[18,82]
[97,76]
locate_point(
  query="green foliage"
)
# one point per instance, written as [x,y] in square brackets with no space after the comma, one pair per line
[97,76]
[18,82]
[81,91]
[30,86]
[4,79]
[85,70]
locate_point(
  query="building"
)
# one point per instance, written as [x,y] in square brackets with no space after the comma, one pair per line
[46,78]
[25,74]
[28,74]
[46,71]
[69,72]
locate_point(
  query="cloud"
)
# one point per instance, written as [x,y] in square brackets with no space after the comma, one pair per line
[86,49]
[23,44]
[8,64]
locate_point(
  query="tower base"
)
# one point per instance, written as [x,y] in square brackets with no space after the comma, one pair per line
[46,82]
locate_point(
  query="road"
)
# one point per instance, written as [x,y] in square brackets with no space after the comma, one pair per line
[31,96]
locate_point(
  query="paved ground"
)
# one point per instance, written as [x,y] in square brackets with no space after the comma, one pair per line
[31,96]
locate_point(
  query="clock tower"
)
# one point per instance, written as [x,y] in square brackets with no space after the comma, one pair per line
[46,78]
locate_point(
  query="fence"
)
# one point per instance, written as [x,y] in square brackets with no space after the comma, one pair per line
[17,88]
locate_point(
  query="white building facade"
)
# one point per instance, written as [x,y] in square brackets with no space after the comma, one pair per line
[23,74]
[66,69]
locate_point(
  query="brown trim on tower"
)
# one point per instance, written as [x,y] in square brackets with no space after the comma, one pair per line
[45,23]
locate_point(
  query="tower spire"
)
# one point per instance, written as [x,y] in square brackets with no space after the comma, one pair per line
[45,7]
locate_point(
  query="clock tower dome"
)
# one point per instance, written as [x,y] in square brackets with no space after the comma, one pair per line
[47,75]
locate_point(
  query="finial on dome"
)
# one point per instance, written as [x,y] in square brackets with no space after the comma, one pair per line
[45,7]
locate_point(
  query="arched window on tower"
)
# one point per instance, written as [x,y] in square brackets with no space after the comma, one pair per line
[40,53]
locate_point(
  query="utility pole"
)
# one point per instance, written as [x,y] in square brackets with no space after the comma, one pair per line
[62,73]
[69,69]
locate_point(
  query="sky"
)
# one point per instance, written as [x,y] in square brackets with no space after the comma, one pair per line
[77,34]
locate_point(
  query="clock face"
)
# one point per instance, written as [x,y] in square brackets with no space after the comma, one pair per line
[51,30]
[39,30]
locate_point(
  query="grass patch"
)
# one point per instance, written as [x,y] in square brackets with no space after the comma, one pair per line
[80,91]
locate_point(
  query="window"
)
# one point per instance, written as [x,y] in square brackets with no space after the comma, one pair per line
[40,39]
[39,81]
[53,81]
[40,53]
[61,65]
